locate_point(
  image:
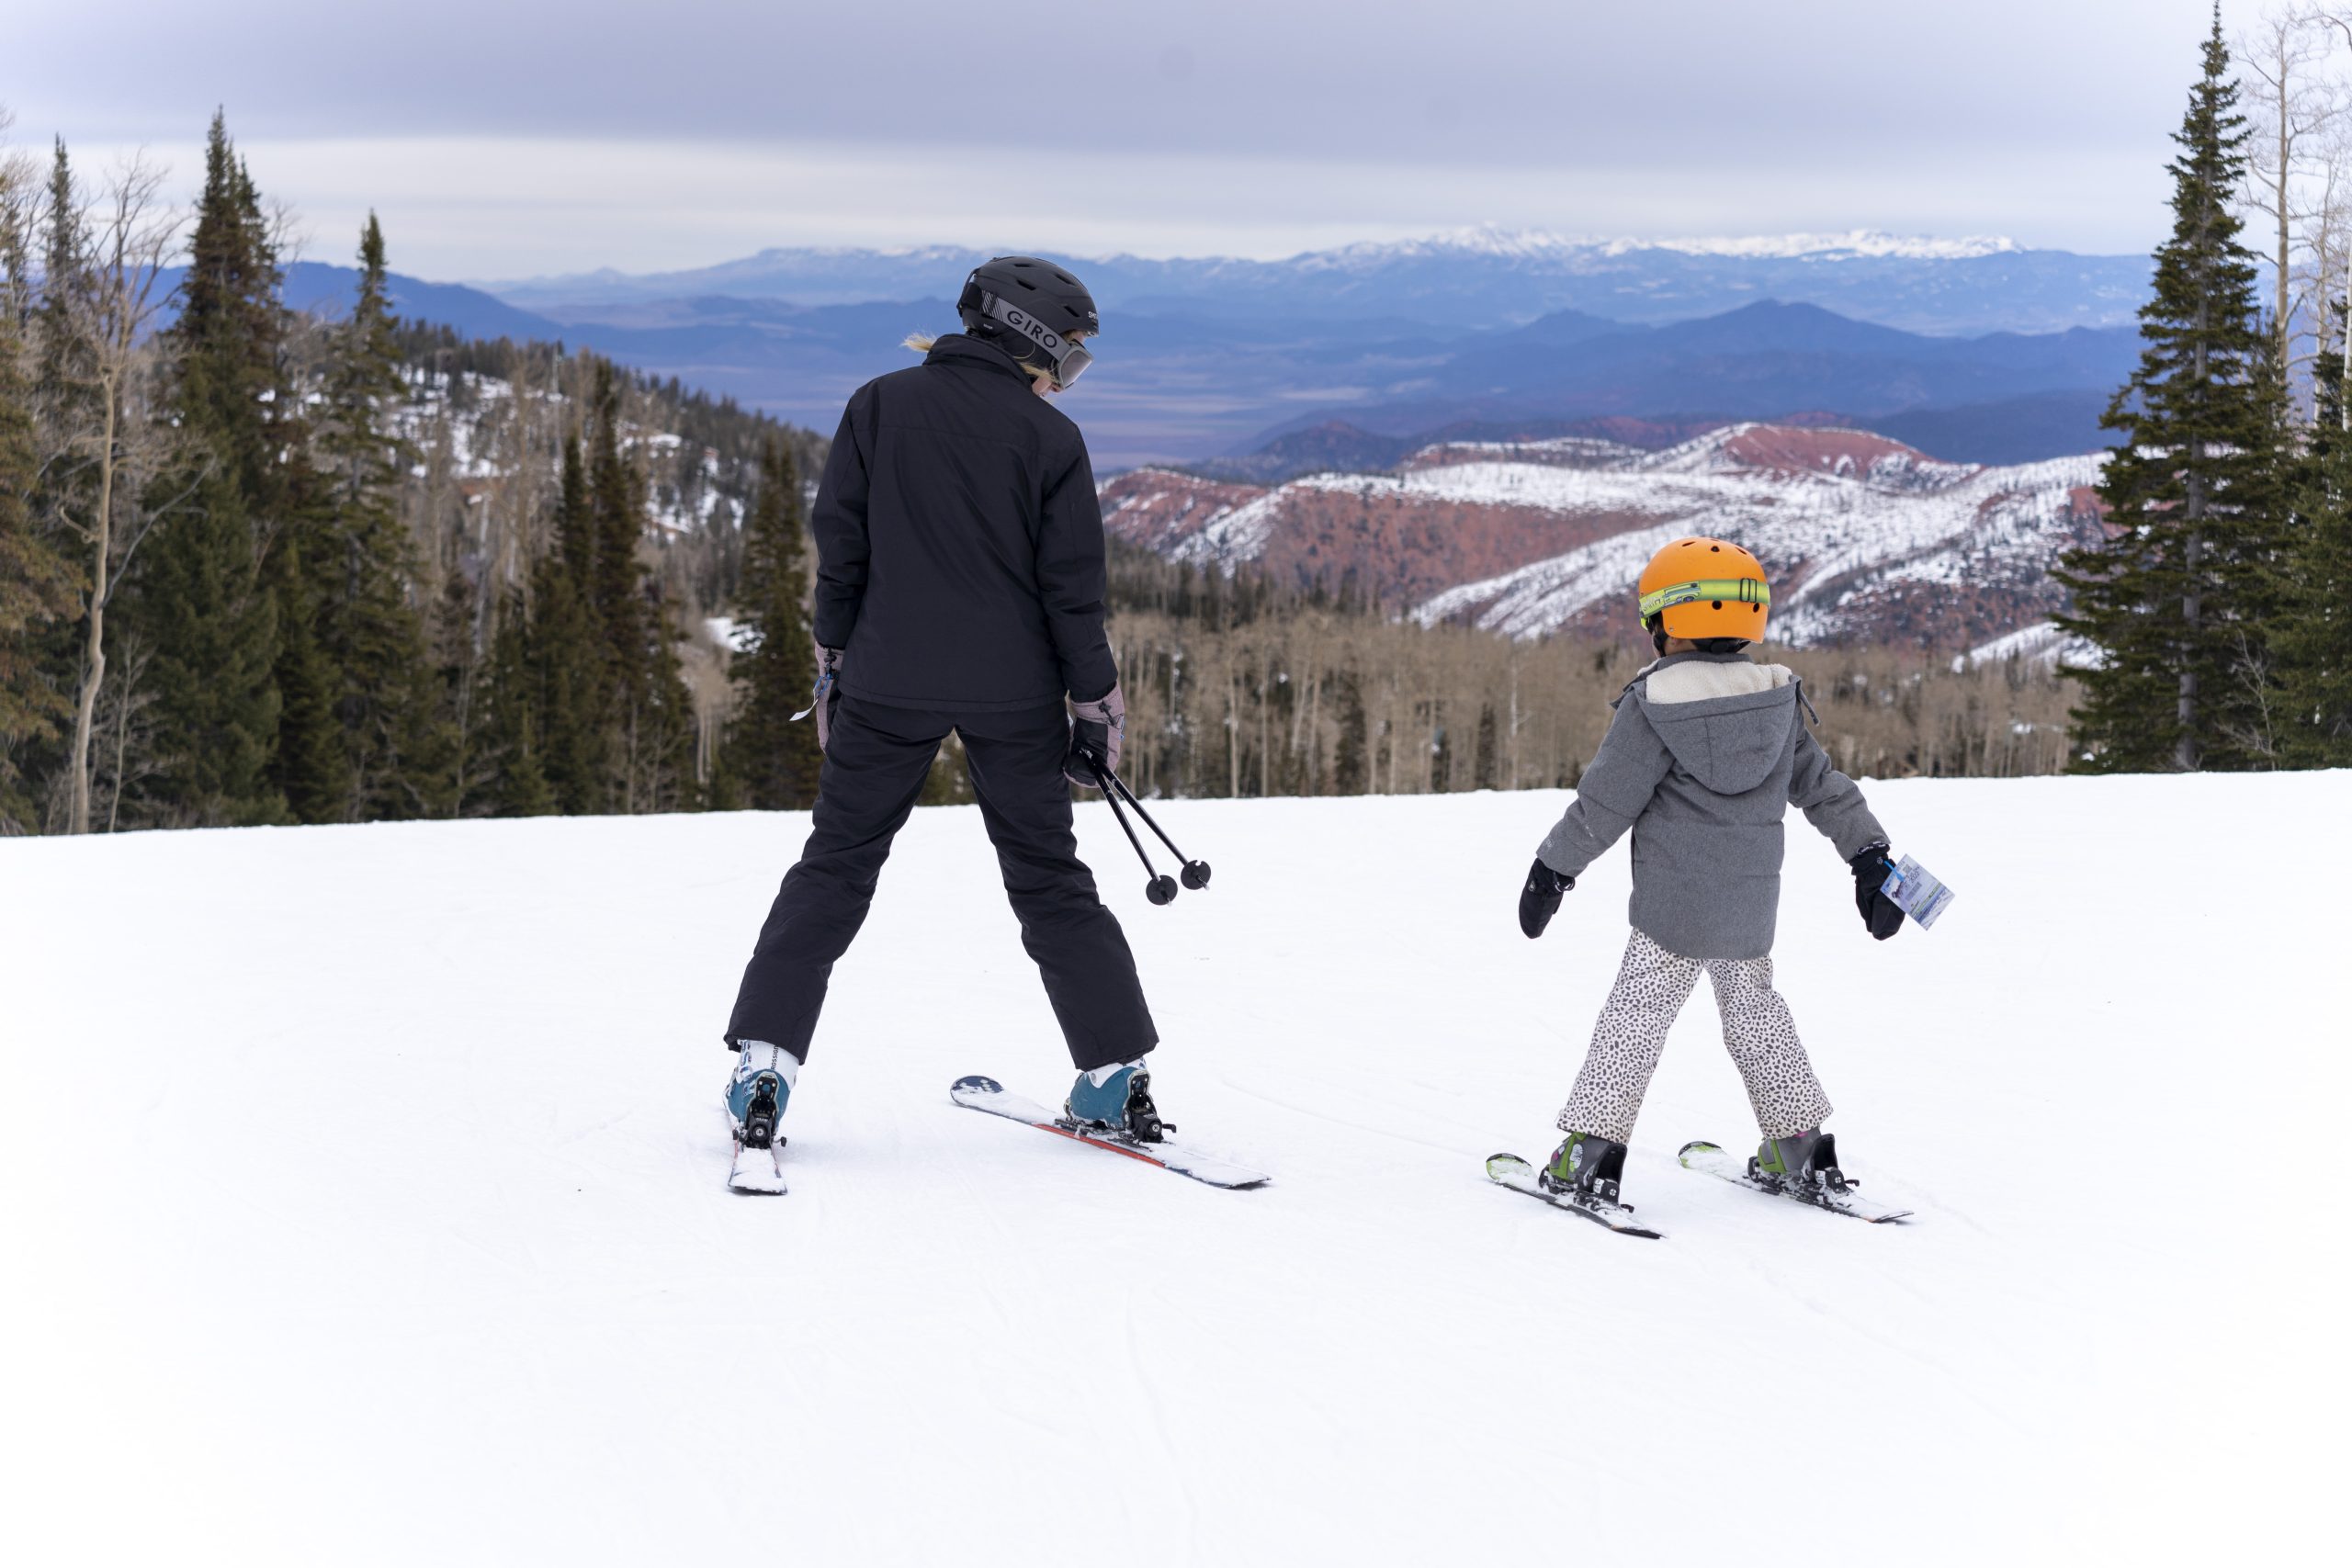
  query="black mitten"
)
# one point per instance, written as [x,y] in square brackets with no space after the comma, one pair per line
[1881,913]
[1540,899]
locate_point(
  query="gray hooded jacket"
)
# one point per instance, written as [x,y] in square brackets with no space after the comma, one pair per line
[1704,757]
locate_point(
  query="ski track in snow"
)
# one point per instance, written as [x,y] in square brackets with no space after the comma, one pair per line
[364,1188]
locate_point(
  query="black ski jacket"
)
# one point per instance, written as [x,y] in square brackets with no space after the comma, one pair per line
[959,543]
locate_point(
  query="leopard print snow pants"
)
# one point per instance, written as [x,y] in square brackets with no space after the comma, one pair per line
[1652,986]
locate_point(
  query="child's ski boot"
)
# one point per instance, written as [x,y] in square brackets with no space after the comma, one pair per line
[1803,1161]
[1116,1099]
[1587,1165]
[758,1092]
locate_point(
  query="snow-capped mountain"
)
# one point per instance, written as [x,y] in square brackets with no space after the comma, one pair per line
[1470,279]
[1867,540]
[1542,244]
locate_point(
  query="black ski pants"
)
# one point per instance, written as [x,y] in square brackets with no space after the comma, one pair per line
[875,767]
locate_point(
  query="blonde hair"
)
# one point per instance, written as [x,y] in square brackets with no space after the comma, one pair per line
[923,342]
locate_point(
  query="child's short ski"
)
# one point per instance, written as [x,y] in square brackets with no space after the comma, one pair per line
[1718,1162]
[987,1094]
[758,1169]
[1509,1170]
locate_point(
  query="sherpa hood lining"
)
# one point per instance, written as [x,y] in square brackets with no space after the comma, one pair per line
[1727,722]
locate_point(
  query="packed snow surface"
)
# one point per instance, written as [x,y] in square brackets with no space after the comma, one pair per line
[364,1205]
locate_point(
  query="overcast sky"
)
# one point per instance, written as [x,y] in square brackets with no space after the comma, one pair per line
[502,140]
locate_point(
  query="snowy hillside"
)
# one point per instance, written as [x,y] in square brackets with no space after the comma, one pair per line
[363,1206]
[469,430]
[1868,540]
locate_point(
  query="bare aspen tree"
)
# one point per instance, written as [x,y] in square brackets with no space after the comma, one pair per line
[122,718]
[1232,732]
[1266,678]
[2331,204]
[2294,105]
[131,234]
[1514,781]
[19,200]
[2336,270]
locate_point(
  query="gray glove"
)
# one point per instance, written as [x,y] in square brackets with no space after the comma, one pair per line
[827,695]
[1096,728]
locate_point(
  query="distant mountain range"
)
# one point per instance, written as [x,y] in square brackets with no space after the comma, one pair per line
[1476,278]
[1903,486]
[1230,365]
[1867,541]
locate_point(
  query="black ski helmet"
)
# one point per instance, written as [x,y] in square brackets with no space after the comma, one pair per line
[1030,309]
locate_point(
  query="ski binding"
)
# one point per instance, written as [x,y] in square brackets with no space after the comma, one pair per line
[978,1093]
[759,1151]
[1838,1198]
[1509,1170]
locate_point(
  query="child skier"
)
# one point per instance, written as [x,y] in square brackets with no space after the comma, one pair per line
[1705,754]
[960,581]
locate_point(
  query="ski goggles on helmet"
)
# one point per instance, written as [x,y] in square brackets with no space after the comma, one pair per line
[1737,590]
[1070,359]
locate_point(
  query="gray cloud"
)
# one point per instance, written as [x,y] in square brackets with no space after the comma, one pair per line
[1215,124]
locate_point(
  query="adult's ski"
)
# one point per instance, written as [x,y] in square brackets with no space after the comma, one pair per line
[1509,1170]
[1718,1162]
[758,1167]
[986,1094]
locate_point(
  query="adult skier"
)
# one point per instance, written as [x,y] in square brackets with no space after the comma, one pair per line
[1706,752]
[959,587]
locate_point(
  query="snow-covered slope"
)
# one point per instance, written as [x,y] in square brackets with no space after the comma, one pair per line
[1867,540]
[466,429]
[362,1205]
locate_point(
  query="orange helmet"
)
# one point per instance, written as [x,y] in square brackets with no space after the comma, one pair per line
[1703,588]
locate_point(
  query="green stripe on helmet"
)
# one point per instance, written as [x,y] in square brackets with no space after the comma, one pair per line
[1739,589]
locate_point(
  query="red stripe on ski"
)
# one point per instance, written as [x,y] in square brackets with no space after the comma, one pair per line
[1095,1142]
[987,1096]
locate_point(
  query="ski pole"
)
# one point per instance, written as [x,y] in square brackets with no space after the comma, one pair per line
[1159,889]
[1196,872]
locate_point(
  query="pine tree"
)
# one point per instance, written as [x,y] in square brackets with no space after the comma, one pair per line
[2312,632]
[309,764]
[368,630]
[617,518]
[1486,768]
[509,740]
[202,597]
[564,654]
[2176,598]
[39,588]
[460,777]
[661,717]
[648,714]
[771,759]
[1351,759]
[65,385]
